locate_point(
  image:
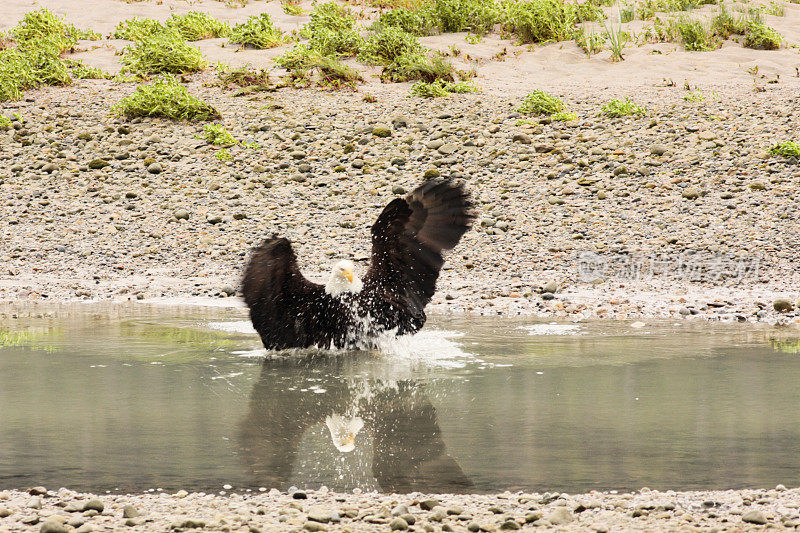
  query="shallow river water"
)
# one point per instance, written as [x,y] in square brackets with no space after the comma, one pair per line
[140,398]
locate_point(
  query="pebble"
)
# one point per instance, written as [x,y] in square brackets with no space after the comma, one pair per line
[560,516]
[782,305]
[754,517]
[398,524]
[50,526]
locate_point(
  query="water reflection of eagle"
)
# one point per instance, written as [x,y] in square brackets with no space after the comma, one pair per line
[408,451]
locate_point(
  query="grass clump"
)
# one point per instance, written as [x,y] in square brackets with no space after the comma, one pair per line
[43,25]
[564,116]
[786,149]
[724,24]
[217,135]
[292,9]
[194,26]
[413,21]
[137,29]
[332,31]
[258,31]
[391,45]
[696,36]
[248,81]
[41,38]
[540,103]
[419,67]
[308,66]
[167,52]
[5,122]
[167,98]
[539,21]
[440,88]
[464,15]
[761,37]
[622,108]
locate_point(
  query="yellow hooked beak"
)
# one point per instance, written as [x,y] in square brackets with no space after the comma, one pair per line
[349,275]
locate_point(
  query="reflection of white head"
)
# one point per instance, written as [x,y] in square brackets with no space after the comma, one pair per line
[343,279]
[344,431]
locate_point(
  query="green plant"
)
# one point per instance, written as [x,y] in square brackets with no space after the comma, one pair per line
[332,31]
[137,29]
[390,45]
[538,21]
[258,31]
[622,108]
[167,52]
[292,9]
[42,24]
[440,88]
[591,43]
[564,116]
[252,80]
[41,38]
[332,16]
[224,155]
[194,26]
[414,21]
[695,96]
[309,66]
[626,13]
[776,9]
[217,135]
[696,36]
[761,37]
[419,67]
[786,149]
[540,103]
[724,24]
[165,97]
[616,40]
[5,122]
[464,15]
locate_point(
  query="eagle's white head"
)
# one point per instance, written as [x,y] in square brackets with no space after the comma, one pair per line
[343,279]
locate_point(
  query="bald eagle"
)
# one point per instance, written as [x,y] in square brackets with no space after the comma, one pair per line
[408,240]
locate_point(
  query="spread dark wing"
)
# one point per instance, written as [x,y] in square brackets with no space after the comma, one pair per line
[408,240]
[282,301]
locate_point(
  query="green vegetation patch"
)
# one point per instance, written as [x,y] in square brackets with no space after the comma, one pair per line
[539,21]
[165,97]
[167,52]
[761,37]
[414,21]
[310,67]
[540,103]
[786,149]
[43,25]
[217,135]
[391,45]
[194,26]
[258,31]
[137,29]
[465,15]
[332,31]
[36,60]
[440,88]
[697,36]
[622,108]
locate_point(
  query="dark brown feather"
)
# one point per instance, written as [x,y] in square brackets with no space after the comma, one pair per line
[408,240]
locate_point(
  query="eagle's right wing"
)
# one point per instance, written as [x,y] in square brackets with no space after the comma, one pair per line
[282,301]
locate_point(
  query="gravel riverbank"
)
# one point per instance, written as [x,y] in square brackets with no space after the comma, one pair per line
[679,213]
[648,510]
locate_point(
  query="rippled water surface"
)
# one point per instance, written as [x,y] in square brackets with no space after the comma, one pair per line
[137,398]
